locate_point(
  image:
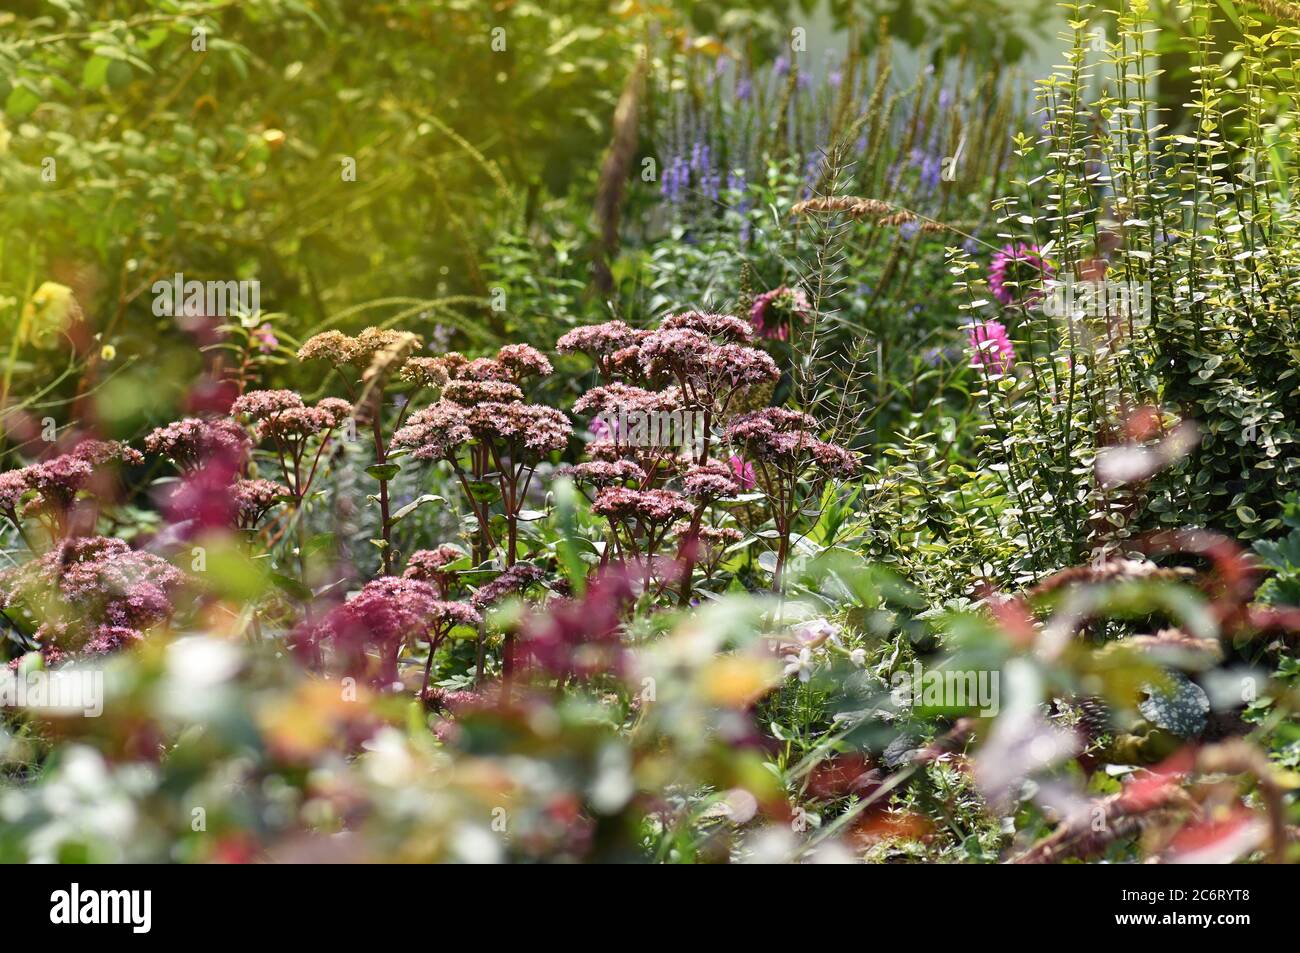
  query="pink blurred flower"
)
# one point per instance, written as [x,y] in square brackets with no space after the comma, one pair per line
[1015,271]
[744,471]
[580,637]
[990,346]
[772,310]
[266,339]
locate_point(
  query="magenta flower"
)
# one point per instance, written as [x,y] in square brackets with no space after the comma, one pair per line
[266,339]
[653,507]
[368,631]
[580,638]
[991,347]
[600,342]
[86,583]
[1015,272]
[723,326]
[427,564]
[773,310]
[203,499]
[744,471]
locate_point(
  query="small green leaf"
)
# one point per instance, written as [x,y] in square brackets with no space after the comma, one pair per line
[291,587]
[415,504]
[95,73]
[21,102]
[484,491]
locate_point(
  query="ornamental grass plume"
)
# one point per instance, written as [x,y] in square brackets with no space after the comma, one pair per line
[383,350]
[383,356]
[334,347]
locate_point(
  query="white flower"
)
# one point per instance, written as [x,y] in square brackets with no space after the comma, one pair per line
[858,657]
[800,664]
[815,632]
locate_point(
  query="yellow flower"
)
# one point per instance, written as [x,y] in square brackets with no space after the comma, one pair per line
[48,314]
[108,352]
[735,681]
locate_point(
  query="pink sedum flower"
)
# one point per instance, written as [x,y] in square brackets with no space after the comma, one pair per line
[261,404]
[524,360]
[710,481]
